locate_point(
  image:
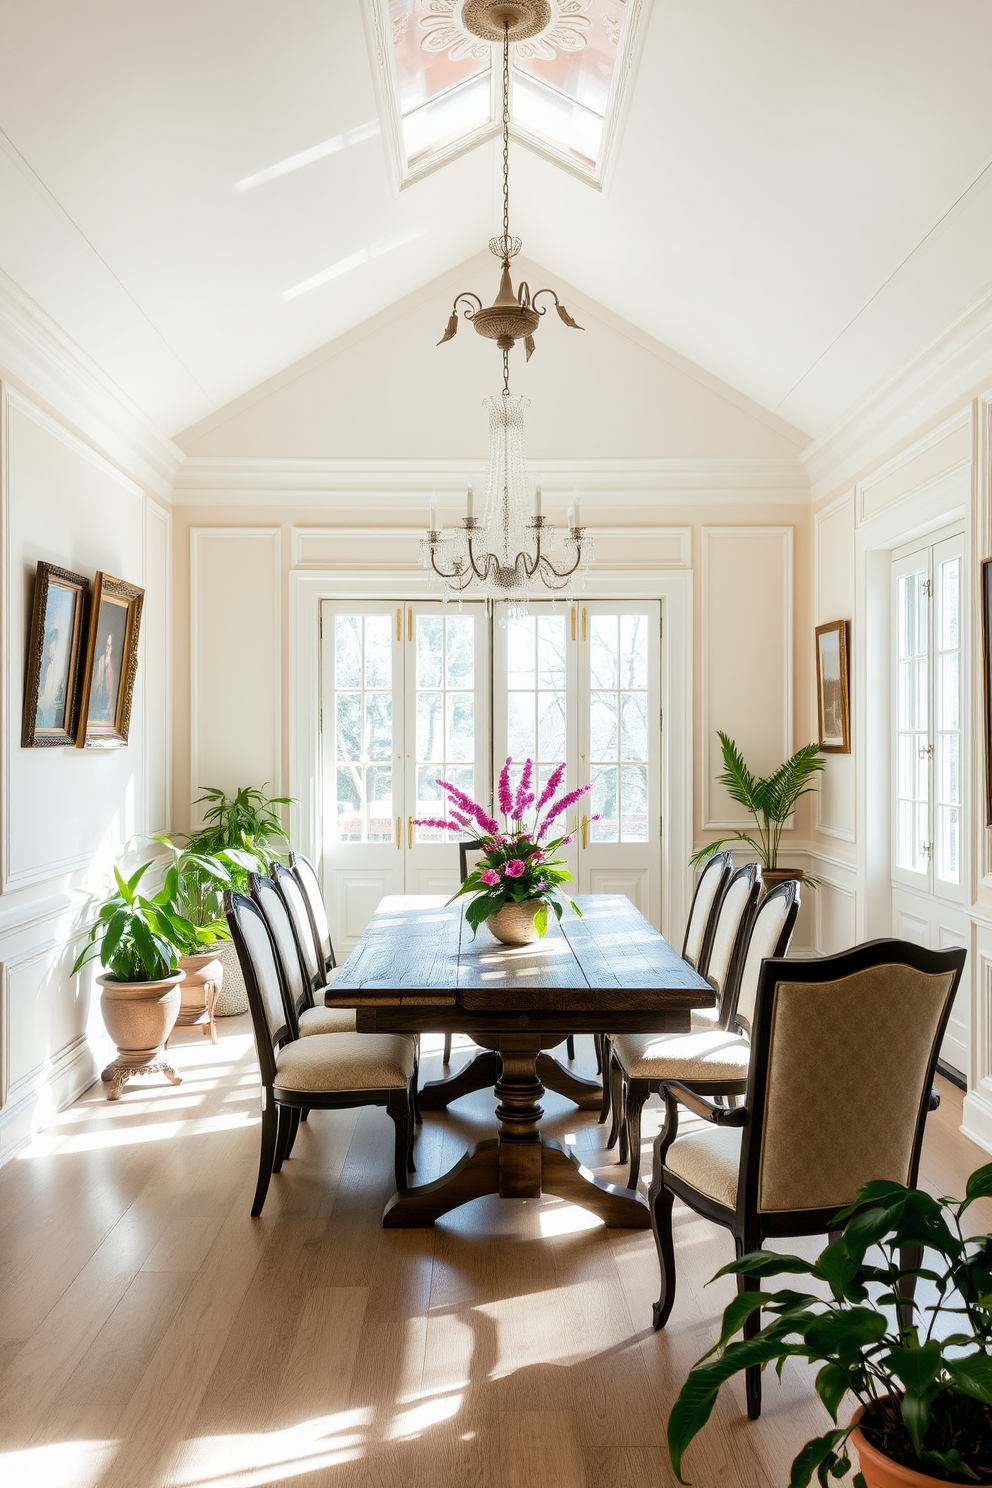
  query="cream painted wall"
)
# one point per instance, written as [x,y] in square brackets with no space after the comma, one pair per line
[68,814]
[387,391]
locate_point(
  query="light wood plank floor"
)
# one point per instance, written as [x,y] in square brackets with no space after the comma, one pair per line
[152,1334]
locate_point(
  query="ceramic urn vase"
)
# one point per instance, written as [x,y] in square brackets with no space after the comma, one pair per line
[514,923]
[139,1016]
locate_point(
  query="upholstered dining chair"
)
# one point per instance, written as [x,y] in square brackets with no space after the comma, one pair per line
[313,1017]
[733,919]
[843,1056]
[327,1071]
[306,876]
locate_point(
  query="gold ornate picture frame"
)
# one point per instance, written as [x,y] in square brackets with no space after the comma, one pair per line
[110,664]
[55,647]
[833,701]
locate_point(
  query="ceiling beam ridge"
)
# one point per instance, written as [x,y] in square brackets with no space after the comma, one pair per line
[948,367]
[39,357]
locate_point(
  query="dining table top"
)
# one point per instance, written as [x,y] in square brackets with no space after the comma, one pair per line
[420,950]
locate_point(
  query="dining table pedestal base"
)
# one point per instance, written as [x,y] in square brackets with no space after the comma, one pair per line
[482,1072]
[518,1164]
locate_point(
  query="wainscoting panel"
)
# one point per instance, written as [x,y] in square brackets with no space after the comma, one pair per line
[835,807]
[746,656]
[235,658]
[156,631]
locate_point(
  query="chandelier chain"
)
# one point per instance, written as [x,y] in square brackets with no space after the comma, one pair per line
[506,131]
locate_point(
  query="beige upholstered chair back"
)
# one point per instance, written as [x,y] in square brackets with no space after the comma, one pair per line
[770,935]
[848,1072]
[710,881]
[262,971]
[310,884]
[292,896]
[266,896]
[734,907]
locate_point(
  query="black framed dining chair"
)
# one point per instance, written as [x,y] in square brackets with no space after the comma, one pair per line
[306,876]
[844,1050]
[313,1016]
[710,889]
[714,1060]
[327,1071]
[733,918]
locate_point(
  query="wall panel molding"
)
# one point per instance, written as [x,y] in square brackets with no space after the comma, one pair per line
[236,657]
[744,621]
[840,510]
[346,549]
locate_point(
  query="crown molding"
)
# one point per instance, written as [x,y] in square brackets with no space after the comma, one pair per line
[37,356]
[946,369]
[392,484]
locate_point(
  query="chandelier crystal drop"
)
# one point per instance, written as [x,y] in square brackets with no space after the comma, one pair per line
[512,551]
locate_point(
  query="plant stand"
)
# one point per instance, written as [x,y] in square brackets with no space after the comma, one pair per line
[116,1075]
[200,991]
[139,1016]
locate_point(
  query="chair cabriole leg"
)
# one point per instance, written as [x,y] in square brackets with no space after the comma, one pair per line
[637,1094]
[266,1156]
[661,1201]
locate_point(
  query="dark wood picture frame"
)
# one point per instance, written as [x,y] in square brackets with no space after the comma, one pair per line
[987,680]
[110,664]
[51,682]
[833,697]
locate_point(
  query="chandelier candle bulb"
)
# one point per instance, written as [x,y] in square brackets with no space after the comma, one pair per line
[470,513]
[576,511]
[434,526]
[571,519]
[537,501]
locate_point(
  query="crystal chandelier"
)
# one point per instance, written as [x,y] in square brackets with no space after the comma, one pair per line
[513,549]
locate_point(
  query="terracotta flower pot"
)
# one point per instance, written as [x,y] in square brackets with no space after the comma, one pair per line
[233,996]
[200,990]
[514,923]
[772,876]
[880,1471]
[139,1016]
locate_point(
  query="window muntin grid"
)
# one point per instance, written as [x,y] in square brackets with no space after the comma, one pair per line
[363,728]
[445,714]
[618,727]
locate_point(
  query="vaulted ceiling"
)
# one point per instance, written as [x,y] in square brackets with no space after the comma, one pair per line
[197,190]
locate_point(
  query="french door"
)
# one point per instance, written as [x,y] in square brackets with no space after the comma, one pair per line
[929,820]
[417,692]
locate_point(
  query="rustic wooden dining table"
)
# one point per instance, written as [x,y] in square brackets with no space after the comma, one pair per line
[418,969]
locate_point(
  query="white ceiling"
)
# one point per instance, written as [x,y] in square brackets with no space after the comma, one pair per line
[798,205]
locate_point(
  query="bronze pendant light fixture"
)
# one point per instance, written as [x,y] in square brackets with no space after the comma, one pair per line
[503,556]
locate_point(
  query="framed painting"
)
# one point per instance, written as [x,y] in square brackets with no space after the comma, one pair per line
[55,644]
[110,664]
[832,695]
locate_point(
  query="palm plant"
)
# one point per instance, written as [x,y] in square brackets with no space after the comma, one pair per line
[771,799]
[247,822]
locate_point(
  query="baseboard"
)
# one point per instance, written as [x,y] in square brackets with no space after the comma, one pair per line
[976,1118]
[53,1090]
[949,1073]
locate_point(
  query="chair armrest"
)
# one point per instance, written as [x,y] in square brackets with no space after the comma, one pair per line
[708,1110]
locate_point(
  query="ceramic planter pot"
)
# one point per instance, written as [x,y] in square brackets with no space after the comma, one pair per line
[514,923]
[200,990]
[139,1016]
[233,996]
[880,1471]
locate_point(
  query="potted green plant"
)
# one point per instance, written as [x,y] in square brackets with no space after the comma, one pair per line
[921,1374]
[517,877]
[194,887]
[138,941]
[771,800]
[246,822]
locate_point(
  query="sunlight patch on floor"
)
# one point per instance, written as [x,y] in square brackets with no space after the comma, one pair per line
[559,1218]
[52,1145]
[252,1458]
[72,1464]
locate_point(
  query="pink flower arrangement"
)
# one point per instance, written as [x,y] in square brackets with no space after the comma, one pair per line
[517,865]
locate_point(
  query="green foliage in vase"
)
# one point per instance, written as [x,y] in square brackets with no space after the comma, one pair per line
[194,887]
[925,1383]
[246,822]
[771,799]
[136,938]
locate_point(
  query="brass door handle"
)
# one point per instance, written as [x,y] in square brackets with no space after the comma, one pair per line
[409,831]
[398,829]
[585,831]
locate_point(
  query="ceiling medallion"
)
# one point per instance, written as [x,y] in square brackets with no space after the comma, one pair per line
[504,556]
[466,28]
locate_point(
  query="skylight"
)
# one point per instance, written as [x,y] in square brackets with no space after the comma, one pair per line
[439,93]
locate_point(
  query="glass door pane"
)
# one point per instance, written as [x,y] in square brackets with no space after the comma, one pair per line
[913,754]
[948,736]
